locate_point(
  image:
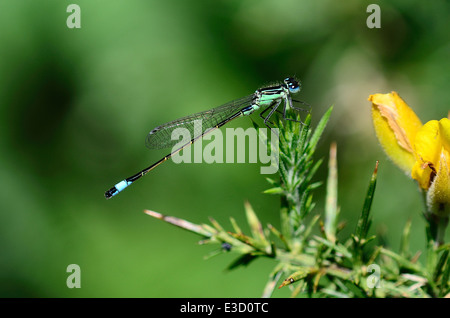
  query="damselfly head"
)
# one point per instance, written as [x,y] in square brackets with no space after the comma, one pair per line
[293,85]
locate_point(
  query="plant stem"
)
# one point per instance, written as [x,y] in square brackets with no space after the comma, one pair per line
[438,225]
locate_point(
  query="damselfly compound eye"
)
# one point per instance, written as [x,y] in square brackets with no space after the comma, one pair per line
[292,84]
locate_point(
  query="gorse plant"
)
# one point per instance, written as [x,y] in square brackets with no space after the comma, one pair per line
[308,253]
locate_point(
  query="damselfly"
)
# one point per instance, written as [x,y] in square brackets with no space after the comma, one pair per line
[267,98]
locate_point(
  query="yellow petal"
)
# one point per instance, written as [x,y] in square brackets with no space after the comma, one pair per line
[444,128]
[438,195]
[422,173]
[396,126]
[428,143]
[427,149]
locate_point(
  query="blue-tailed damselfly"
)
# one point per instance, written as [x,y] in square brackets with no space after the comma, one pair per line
[267,98]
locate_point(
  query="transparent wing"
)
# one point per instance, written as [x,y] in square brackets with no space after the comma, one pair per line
[196,124]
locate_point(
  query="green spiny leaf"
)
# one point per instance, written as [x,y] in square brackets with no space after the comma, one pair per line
[236,227]
[255,225]
[331,207]
[403,261]
[319,130]
[440,265]
[279,235]
[216,225]
[276,190]
[298,275]
[199,229]
[362,227]
[273,279]
[337,247]
[404,245]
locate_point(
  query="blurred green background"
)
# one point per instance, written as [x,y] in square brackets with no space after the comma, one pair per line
[77,104]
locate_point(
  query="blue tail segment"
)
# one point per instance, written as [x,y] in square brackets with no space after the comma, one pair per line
[117,188]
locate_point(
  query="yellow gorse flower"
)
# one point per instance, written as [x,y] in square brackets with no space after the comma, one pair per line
[422,151]
[396,126]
